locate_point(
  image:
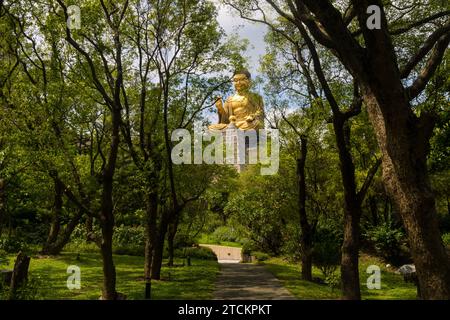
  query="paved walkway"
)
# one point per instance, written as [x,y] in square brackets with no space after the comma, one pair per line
[242,281]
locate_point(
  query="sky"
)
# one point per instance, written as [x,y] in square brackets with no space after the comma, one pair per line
[231,22]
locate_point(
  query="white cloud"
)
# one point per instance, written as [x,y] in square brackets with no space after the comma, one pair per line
[231,22]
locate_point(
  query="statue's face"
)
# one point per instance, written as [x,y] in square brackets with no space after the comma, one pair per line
[241,82]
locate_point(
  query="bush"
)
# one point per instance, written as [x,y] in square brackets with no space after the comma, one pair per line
[3,258]
[182,241]
[12,244]
[248,247]
[197,253]
[129,240]
[446,238]
[32,233]
[78,246]
[261,256]
[333,280]
[131,250]
[387,240]
[292,247]
[79,234]
[225,233]
[326,254]
[27,291]
[129,236]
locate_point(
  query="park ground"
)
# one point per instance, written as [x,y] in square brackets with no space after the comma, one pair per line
[201,280]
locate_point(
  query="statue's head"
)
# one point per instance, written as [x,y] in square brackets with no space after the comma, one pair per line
[242,80]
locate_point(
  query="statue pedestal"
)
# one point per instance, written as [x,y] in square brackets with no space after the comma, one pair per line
[240,147]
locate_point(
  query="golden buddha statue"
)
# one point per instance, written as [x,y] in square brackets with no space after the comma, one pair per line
[244,110]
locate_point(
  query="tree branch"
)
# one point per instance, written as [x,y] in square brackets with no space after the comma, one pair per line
[428,71]
[368,181]
[423,51]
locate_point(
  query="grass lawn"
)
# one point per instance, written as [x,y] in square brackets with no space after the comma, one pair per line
[206,239]
[392,285]
[179,282]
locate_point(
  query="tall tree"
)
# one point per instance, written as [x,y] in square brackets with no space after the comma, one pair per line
[340,120]
[389,91]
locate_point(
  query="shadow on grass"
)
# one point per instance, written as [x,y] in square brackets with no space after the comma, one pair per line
[185,282]
[392,285]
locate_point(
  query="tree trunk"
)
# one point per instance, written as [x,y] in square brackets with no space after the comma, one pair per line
[159,246]
[170,240]
[350,255]
[403,139]
[107,226]
[109,270]
[56,218]
[107,210]
[173,228]
[150,237]
[306,237]
[58,245]
[20,274]
[352,213]
[89,230]
[373,210]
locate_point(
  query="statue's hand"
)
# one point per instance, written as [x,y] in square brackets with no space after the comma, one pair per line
[249,118]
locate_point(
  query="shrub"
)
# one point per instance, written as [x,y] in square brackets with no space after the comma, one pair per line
[326,257]
[12,244]
[248,247]
[129,240]
[183,240]
[3,258]
[198,253]
[27,291]
[387,240]
[333,280]
[326,252]
[225,233]
[446,238]
[129,236]
[292,247]
[32,233]
[130,250]
[79,234]
[261,256]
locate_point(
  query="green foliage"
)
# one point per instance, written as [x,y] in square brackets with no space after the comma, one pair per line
[3,258]
[292,246]
[260,256]
[225,233]
[249,247]
[258,205]
[197,253]
[126,235]
[326,252]
[30,290]
[393,286]
[182,241]
[387,240]
[446,238]
[333,280]
[12,244]
[194,282]
[127,240]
